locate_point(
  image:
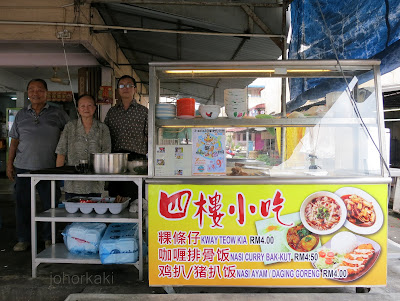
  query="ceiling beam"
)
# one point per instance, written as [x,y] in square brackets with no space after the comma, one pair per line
[194,3]
[46,59]
[110,19]
[165,17]
[147,53]
[247,9]
[127,28]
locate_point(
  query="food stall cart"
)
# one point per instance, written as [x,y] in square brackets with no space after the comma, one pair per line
[58,252]
[315,217]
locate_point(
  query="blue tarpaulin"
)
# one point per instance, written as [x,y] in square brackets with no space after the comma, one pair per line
[360,29]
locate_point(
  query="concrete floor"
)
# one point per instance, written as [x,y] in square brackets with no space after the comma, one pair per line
[16,282]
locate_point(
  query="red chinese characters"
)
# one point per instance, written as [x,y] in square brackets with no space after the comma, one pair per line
[214,210]
[277,206]
[174,206]
[211,207]
[164,237]
[197,271]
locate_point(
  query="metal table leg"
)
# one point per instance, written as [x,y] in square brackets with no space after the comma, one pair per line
[33,225]
[53,205]
[139,184]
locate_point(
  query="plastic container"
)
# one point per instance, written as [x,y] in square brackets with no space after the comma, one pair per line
[119,244]
[185,108]
[165,111]
[235,96]
[83,238]
[99,205]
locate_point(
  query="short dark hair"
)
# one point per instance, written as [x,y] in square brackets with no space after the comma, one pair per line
[127,76]
[37,80]
[85,95]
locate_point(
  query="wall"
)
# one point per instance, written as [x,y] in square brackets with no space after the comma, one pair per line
[5,102]
[102,46]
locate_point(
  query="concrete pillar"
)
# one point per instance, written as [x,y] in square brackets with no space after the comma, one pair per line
[22,99]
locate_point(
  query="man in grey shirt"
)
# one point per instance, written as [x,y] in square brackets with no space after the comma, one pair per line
[128,124]
[35,133]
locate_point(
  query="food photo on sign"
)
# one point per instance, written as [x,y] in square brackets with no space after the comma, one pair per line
[346,256]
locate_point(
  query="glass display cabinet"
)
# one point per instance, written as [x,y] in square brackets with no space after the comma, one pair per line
[289,180]
[303,118]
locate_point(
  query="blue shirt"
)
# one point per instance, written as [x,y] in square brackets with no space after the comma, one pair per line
[38,136]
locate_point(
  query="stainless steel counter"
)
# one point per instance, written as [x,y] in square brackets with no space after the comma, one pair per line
[257,180]
[58,253]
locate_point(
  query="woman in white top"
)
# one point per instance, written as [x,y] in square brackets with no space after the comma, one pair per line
[80,138]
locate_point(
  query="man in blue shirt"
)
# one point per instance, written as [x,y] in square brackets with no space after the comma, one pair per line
[34,137]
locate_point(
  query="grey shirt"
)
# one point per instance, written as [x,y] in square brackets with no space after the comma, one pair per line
[76,145]
[38,136]
[128,128]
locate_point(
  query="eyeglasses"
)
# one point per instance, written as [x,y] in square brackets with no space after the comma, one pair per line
[126,86]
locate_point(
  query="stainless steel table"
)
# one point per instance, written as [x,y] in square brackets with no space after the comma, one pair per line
[58,253]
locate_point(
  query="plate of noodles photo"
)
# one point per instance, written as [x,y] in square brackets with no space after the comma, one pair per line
[323,212]
[364,215]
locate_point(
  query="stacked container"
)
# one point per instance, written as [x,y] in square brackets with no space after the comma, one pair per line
[235,101]
[185,108]
[165,111]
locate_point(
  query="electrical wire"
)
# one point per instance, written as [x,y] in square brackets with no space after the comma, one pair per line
[69,76]
[352,100]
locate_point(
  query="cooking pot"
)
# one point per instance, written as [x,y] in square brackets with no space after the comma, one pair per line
[138,167]
[109,163]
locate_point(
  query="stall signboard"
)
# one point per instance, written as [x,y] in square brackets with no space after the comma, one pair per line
[267,235]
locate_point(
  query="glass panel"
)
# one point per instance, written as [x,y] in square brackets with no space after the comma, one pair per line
[330,128]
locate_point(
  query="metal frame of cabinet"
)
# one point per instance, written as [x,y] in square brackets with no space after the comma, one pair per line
[252,69]
[58,253]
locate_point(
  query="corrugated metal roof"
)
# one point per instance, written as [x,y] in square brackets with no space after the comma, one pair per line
[143,47]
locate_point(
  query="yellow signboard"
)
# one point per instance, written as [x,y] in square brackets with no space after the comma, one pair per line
[267,235]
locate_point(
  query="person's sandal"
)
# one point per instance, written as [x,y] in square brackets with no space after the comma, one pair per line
[21,246]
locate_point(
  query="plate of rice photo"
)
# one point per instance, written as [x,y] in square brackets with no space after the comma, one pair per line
[349,255]
[364,215]
[323,212]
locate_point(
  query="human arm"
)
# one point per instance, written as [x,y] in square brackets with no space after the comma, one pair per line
[60,161]
[11,156]
[107,118]
[105,140]
[62,147]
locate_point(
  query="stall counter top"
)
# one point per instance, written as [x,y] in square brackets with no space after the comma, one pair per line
[253,180]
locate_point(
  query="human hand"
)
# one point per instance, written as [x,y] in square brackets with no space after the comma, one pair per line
[10,172]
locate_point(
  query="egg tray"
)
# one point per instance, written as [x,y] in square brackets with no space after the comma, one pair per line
[98,204]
